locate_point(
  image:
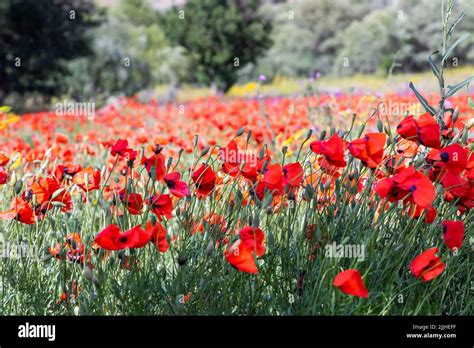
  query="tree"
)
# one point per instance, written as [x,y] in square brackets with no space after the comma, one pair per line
[37,38]
[220,36]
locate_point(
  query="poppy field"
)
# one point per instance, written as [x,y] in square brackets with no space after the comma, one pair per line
[314,202]
[316,205]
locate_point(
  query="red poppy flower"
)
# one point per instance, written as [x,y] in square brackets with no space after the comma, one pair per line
[205,179]
[427,265]
[253,238]
[177,187]
[428,131]
[273,179]
[430,213]
[155,166]
[241,258]
[3,159]
[407,181]
[121,148]
[91,176]
[68,169]
[19,210]
[369,149]
[332,150]
[132,201]
[350,282]
[241,254]
[3,176]
[424,130]
[408,128]
[292,174]
[454,158]
[110,238]
[158,236]
[161,205]
[456,185]
[453,234]
[229,155]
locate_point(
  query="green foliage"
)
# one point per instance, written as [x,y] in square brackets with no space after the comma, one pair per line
[220,35]
[302,35]
[131,53]
[37,38]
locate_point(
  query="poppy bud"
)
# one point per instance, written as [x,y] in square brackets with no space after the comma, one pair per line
[205,151]
[308,134]
[361,130]
[284,149]
[240,132]
[323,135]
[18,186]
[249,134]
[210,247]
[169,162]
[261,153]
[12,179]
[95,281]
[379,125]
[87,273]
[58,204]
[57,193]
[195,141]
[455,114]
[256,221]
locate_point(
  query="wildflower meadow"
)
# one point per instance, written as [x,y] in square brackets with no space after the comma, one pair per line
[315,203]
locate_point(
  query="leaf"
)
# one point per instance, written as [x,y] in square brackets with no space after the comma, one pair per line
[458,41]
[422,100]
[456,22]
[433,65]
[454,89]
